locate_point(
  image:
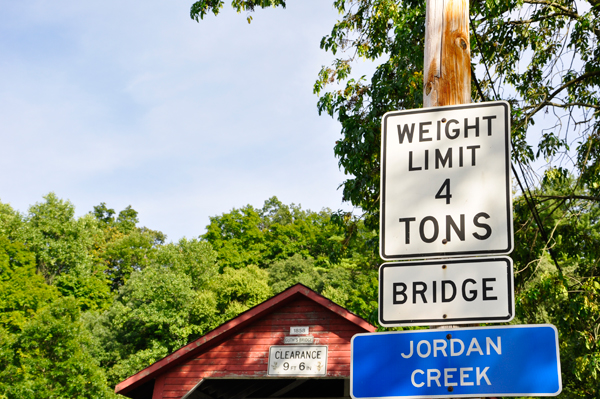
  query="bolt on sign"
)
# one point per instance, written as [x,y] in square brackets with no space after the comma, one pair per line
[445,182]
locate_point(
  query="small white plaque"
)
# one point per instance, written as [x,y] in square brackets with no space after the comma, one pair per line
[446,291]
[299,330]
[299,340]
[298,360]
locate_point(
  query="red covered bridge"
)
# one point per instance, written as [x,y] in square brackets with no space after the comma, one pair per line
[294,345]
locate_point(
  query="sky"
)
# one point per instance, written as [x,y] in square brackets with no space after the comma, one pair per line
[134,103]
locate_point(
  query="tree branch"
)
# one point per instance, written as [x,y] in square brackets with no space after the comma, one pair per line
[568,105]
[566,197]
[541,18]
[557,91]
[567,10]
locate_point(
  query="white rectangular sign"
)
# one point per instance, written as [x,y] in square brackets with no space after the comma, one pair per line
[299,360]
[303,330]
[445,182]
[450,291]
[299,340]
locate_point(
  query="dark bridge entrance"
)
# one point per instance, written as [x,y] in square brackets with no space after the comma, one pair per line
[270,388]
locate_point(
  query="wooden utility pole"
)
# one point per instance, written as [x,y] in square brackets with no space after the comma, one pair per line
[447,66]
[447,74]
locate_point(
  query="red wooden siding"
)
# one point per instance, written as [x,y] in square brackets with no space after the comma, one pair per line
[245,354]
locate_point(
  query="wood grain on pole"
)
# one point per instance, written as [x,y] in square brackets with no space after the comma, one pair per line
[447,71]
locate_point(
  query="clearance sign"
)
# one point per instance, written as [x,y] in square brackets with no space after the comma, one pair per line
[445,182]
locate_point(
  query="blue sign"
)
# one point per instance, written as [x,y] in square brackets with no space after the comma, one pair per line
[464,362]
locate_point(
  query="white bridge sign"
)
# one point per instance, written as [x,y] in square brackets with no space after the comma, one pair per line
[449,291]
[445,182]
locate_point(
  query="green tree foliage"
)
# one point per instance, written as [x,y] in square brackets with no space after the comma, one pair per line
[174,300]
[201,8]
[90,289]
[22,290]
[237,237]
[125,222]
[83,257]
[346,283]
[562,289]
[49,358]
[64,248]
[560,77]
[332,253]
[118,298]
[237,290]
[194,258]
[59,241]
[155,313]
[295,269]
[11,221]
[354,288]
[163,295]
[260,236]
[122,253]
[124,247]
